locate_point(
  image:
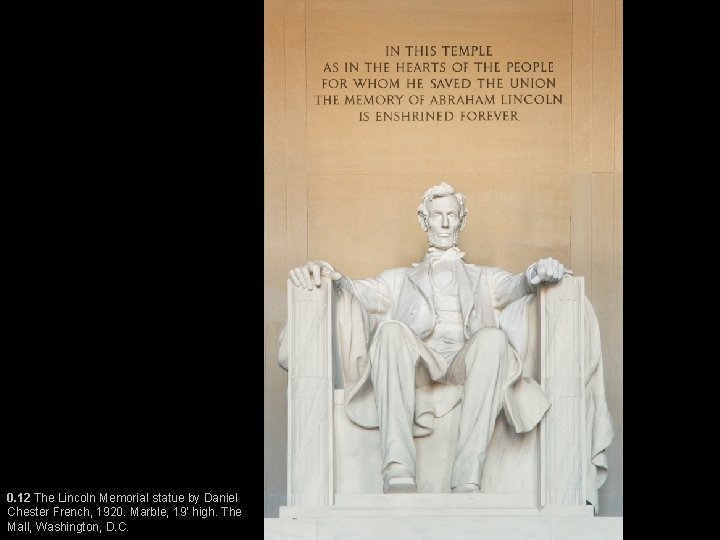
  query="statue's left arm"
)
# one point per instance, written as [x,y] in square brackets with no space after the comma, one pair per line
[506,287]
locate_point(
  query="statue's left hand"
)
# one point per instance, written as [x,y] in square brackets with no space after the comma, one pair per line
[547,270]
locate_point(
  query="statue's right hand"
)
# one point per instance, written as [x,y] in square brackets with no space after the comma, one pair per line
[309,276]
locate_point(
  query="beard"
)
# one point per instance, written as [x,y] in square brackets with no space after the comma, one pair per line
[443,242]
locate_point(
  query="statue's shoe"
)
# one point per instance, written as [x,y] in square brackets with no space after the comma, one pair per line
[466,488]
[397,479]
[399,484]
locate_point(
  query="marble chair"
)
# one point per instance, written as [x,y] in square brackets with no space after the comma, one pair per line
[334,465]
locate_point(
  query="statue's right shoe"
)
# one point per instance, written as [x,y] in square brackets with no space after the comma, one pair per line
[399,484]
[397,479]
[466,488]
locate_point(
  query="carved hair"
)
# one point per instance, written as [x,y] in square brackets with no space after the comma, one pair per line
[441,190]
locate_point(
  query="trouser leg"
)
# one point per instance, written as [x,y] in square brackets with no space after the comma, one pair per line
[484,359]
[394,357]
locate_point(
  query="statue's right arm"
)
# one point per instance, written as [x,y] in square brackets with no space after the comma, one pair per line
[309,275]
[373,293]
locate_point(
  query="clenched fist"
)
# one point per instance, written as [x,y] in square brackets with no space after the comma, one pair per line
[546,270]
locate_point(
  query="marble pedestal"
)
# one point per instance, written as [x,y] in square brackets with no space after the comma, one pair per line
[391,526]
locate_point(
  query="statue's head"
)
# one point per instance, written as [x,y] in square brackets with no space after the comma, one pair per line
[442,215]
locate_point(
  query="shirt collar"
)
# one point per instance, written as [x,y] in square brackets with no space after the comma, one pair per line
[450,254]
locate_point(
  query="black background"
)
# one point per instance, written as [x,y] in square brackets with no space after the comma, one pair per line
[136,361]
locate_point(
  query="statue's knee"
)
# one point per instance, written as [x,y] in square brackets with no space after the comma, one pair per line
[390,331]
[390,345]
[491,336]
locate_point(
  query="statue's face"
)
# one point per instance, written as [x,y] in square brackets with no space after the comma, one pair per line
[443,222]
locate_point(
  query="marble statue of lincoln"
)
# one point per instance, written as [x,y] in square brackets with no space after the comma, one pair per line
[437,323]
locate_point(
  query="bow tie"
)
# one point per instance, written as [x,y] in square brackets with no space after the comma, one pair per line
[450,254]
